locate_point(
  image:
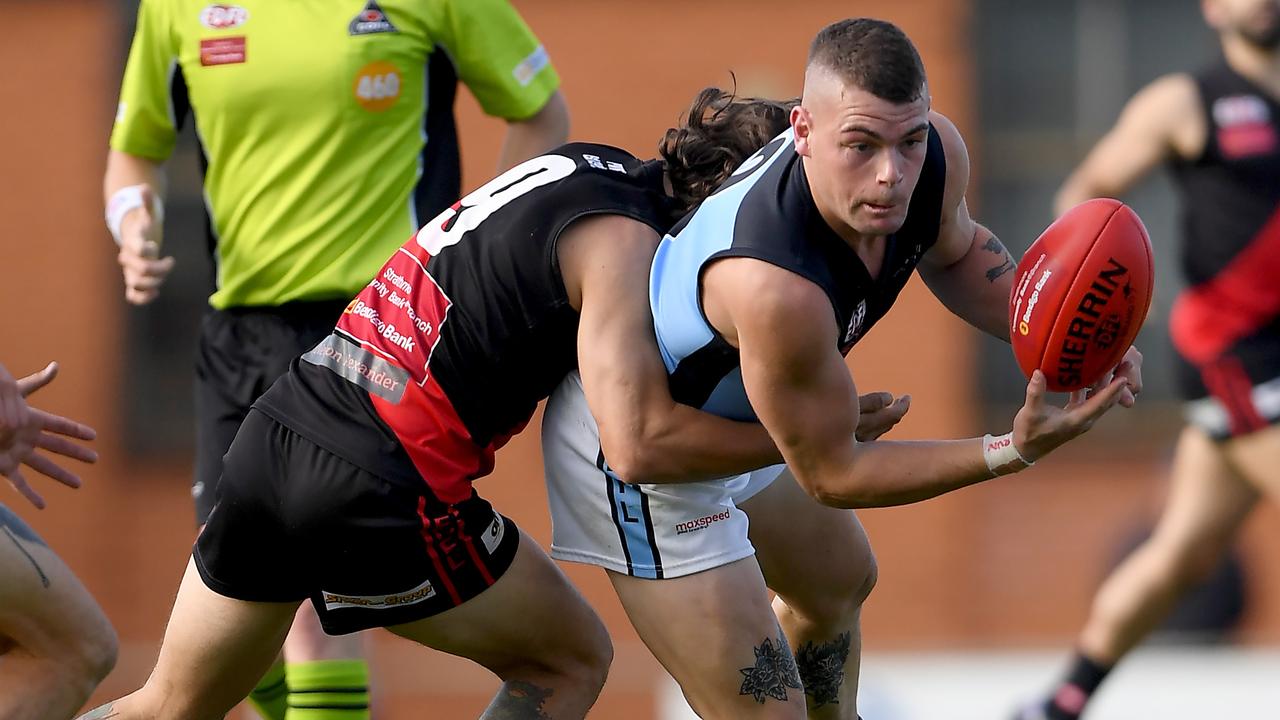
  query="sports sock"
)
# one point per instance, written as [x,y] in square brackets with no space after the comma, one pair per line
[270,698]
[328,690]
[1070,698]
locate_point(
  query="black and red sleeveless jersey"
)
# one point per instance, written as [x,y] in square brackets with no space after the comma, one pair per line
[1230,199]
[448,350]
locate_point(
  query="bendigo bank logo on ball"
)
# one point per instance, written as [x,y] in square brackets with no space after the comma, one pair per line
[1024,322]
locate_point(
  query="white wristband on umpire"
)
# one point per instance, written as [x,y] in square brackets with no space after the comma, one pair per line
[129,198]
[1002,455]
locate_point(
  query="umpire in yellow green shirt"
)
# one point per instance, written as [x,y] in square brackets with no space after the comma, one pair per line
[327,132]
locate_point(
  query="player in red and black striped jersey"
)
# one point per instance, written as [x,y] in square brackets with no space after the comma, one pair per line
[349,483]
[1219,131]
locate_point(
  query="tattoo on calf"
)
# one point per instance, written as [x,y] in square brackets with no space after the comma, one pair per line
[13,528]
[993,245]
[822,668]
[774,672]
[101,713]
[518,700]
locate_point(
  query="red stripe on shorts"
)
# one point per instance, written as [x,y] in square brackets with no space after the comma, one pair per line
[1242,386]
[431,550]
[1222,380]
[471,547]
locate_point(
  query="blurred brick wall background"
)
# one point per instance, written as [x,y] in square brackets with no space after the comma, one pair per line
[1008,564]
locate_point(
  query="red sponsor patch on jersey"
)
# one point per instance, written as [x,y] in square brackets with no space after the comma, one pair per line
[1247,140]
[399,314]
[222,51]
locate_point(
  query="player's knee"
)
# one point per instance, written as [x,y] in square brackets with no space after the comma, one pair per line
[100,652]
[579,663]
[839,600]
[1182,561]
[91,658]
[1196,565]
[589,666]
[586,664]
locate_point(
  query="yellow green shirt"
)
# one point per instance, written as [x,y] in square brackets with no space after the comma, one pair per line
[311,117]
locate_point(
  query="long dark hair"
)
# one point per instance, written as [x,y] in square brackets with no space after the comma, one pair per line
[717,133]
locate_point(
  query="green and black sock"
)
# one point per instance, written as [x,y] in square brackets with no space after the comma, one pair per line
[328,690]
[270,698]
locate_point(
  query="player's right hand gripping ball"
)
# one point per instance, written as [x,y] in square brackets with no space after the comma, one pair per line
[1081,293]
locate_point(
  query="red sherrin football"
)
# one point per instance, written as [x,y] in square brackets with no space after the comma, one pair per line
[1081,293]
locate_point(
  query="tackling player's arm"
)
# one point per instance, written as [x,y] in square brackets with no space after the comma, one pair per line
[645,434]
[968,268]
[1163,120]
[801,389]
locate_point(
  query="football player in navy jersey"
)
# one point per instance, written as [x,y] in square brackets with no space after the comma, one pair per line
[756,297]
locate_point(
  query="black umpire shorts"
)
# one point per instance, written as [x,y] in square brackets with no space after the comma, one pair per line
[294,521]
[242,351]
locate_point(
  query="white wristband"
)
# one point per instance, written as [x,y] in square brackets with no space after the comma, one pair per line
[125,199]
[1002,455]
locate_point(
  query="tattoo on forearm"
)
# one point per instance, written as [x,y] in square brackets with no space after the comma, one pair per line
[821,669]
[993,245]
[774,672]
[518,700]
[101,713]
[13,528]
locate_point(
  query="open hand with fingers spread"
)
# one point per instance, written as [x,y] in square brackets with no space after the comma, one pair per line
[24,429]
[1039,427]
[878,413]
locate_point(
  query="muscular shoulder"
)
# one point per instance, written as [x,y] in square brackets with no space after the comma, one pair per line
[957,157]
[745,293]
[1169,108]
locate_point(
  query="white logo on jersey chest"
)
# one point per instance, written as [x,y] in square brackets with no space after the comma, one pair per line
[855,323]
[1240,110]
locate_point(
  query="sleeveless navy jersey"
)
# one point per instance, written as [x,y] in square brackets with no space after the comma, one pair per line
[446,353]
[765,211]
[1226,324]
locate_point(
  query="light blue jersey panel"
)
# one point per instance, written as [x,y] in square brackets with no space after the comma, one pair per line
[674,288]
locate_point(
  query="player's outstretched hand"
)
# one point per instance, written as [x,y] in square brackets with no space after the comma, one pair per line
[144,270]
[24,429]
[1040,427]
[878,412]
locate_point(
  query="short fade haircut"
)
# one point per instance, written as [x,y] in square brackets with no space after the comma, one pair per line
[873,55]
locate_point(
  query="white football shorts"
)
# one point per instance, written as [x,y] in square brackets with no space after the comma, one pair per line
[647,531]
